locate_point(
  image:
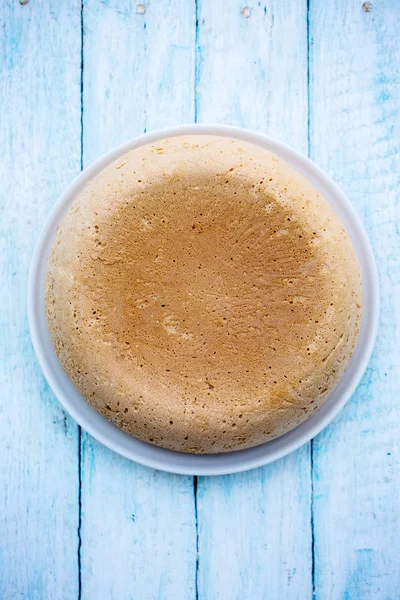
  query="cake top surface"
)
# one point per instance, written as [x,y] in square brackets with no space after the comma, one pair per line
[202,294]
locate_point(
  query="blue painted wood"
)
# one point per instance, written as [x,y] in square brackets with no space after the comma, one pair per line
[40,155]
[138,525]
[355,136]
[255,528]
[147,66]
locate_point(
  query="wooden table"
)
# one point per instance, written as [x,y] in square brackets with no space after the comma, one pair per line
[76,520]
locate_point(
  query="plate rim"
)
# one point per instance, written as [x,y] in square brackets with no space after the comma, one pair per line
[178,462]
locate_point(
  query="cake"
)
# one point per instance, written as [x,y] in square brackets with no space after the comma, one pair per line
[202,295]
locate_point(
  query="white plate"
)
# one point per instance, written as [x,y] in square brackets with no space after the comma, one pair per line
[178,462]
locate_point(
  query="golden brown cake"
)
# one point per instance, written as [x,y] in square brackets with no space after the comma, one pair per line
[202,295]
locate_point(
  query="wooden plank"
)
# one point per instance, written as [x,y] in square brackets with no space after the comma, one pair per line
[138,525]
[138,70]
[355,136]
[247,73]
[40,142]
[254,528]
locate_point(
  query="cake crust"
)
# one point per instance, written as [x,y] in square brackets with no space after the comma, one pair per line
[202,295]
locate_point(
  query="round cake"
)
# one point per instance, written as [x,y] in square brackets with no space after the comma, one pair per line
[202,295]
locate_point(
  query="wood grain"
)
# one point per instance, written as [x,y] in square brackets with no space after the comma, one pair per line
[255,528]
[76,520]
[40,147]
[355,136]
[138,525]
